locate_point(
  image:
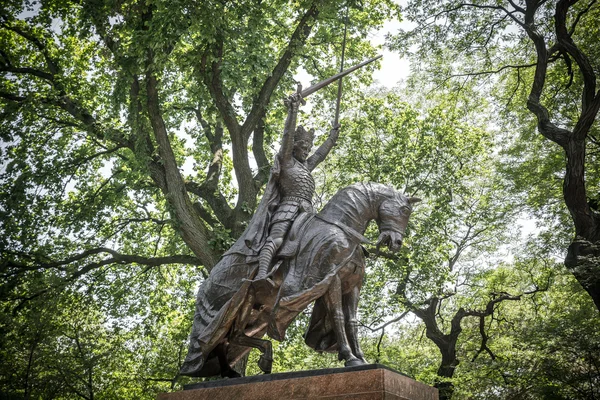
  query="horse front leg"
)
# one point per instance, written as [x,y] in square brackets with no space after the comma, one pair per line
[333,302]
[265,362]
[238,337]
[350,305]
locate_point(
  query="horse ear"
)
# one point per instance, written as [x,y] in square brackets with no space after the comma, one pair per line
[413,200]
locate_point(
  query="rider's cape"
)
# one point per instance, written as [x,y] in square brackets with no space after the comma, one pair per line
[222,294]
[257,231]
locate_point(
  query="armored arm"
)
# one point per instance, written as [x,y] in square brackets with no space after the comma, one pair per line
[287,143]
[324,149]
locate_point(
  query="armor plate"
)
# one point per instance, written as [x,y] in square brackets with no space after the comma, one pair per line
[296,181]
[288,209]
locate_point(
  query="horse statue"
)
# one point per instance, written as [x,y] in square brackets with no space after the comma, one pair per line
[321,261]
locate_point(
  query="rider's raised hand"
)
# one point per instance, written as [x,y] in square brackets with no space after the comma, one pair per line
[334,132]
[294,101]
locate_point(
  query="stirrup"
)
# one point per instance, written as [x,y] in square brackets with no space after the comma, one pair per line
[263,286]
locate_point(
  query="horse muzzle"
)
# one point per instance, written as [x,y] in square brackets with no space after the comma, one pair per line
[391,239]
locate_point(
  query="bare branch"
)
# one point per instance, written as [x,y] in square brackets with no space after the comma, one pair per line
[516,7]
[258,149]
[484,340]
[388,323]
[484,6]
[495,71]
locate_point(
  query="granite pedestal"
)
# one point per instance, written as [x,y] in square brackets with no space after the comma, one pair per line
[365,382]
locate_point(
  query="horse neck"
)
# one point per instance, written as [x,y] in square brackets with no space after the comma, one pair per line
[354,206]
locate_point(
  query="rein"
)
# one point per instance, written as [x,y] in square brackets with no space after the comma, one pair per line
[346,229]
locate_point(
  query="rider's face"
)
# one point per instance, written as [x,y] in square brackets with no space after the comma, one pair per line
[301,150]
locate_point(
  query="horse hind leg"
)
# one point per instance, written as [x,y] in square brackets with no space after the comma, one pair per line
[226,370]
[350,304]
[333,302]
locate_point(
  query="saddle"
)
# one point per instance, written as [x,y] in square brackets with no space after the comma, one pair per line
[290,244]
[289,247]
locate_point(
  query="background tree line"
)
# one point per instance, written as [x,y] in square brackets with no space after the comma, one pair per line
[137,137]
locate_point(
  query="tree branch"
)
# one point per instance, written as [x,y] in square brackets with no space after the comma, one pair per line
[495,71]
[12,271]
[12,97]
[296,42]
[484,6]
[37,262]
[27,70]
[258,149]
[190,226]
[484,340]
[11,25]
[585,67]
[388,323]
[216,200]
[546,128]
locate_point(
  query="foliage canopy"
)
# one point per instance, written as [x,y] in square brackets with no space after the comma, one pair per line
[137,138]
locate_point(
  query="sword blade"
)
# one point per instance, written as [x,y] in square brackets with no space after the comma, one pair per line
[310,90]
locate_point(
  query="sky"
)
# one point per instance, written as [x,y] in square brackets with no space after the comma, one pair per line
[393,67]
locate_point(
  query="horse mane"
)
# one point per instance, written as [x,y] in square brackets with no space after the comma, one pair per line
[358,200]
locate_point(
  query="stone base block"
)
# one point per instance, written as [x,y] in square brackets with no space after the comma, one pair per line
[365,382]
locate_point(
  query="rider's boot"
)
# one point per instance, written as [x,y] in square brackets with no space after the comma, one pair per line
[264,259]
[261,282]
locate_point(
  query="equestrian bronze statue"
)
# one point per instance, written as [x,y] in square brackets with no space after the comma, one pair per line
[289,257]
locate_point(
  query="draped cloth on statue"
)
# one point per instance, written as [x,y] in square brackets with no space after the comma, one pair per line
[252,240]
[223,293]
[324,249]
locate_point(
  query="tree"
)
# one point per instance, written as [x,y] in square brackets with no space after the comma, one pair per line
[553,40]
[439,150]
[541,348]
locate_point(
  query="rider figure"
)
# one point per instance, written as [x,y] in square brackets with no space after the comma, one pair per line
[296,184]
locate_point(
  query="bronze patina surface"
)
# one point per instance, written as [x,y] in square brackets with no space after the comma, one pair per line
[289,257]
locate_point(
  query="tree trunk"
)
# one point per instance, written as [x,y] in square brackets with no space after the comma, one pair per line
[446,369]
[446,344]
[583,260]
[583,253]
[189,224]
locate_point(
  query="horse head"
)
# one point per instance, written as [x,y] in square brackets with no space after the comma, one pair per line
[392,219]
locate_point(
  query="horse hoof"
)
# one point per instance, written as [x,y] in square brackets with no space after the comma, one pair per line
[353,362]
[231,374]
[265,364]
